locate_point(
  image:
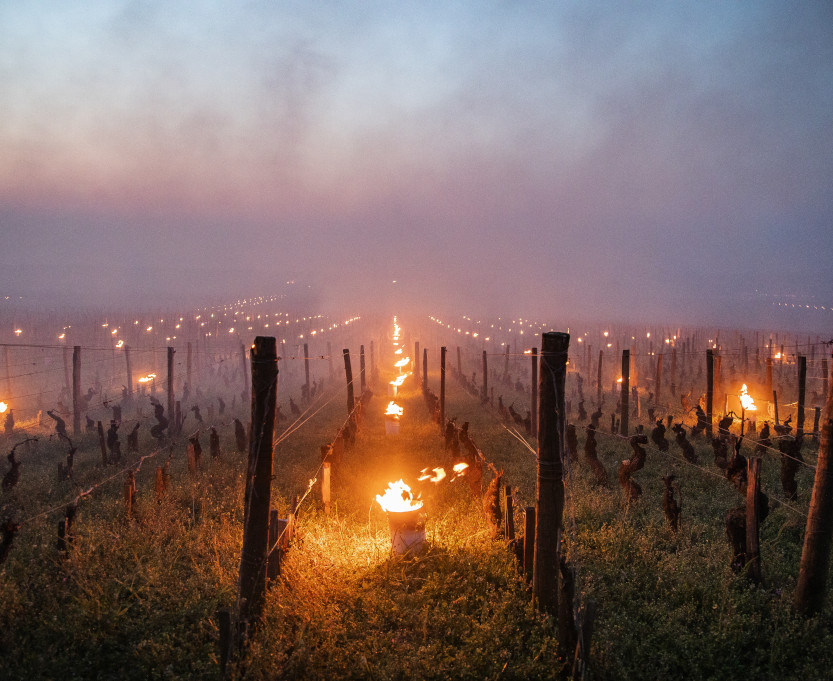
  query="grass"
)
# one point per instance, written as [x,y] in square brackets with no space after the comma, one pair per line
[136,598]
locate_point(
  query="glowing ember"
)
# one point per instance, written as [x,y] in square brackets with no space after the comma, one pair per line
[776,356]
[120,344]
[746,400]
[405,361]
[393,409]
[619,380]
[3,407]
[436,475]
[460,467]
[398,498]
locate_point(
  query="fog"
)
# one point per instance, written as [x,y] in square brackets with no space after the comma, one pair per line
[578,161]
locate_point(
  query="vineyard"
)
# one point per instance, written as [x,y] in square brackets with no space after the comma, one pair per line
[203,495]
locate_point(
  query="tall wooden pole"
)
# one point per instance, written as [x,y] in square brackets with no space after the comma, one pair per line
[362,381]
[253,557]
[442,388]
[709,391]
[76,390]
[459,361]
[533,398]
[550,487]
[425,368]
[129,371]
[811,589]
[484,396]
[625,392]
[348,373]
[171,424]
[416,363]
[802,385]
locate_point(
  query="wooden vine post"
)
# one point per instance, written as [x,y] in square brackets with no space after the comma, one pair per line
[348,373]
[76,390]
[129,371]
[253,558]
[533,398]
[484,396]
[625,392]
[709,392]
[362,382]
[753,546]
[416,362]
[549,495]
[171,420]
[811,589]
[802,386]
[425,369]
[442,388]
[459,362]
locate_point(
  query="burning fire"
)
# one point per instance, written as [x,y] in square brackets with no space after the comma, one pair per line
[746,400]
[147,379]
[3,407]
[438,474]
[459,468]
[393,409]
[398,498]
[398,351]
[777,355]
[405,361]
[398,381]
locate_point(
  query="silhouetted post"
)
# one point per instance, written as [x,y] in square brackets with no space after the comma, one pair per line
[76,390]
[362,382]
[658,379]
[529,542]
[802,385]
[129,371]
[533,398]
[709,392]
[775,407]
[485,395]
[811,589]
[171,420]
[188,351]
[459,362]
[425,368]
[550,487]
[442,388]
[348,373]
[673,373]
[599,380]
[246,372]
[753,548]
[306,369]
[253,557]
[625,392]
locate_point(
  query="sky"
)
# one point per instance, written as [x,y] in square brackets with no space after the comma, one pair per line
[660,160]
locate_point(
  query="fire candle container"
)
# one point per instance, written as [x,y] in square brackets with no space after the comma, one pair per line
[407,532]
[391,425]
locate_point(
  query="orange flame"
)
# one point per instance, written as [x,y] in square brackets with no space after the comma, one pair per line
[746,400]
[393,409]
[3,407]
[405,361]
[399,380]
[398,498]
[438,474]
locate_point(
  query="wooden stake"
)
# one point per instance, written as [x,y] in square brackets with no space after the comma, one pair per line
[802,383]
[442,388]
[129,371]
[811,589]
[484,396]
[550,486]
[775,407]
[753,549]
[709,392]
[172,426]
[425,368]
[624,393]
[533,398]
[252,582]
[348,373]
[362,382]
[76,390]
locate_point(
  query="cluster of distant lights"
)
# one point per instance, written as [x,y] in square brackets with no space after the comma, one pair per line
[804,306]
[516,325]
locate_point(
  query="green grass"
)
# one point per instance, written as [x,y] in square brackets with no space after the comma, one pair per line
[136,598]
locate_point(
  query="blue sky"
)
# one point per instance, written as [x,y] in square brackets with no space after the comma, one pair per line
[627,156]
